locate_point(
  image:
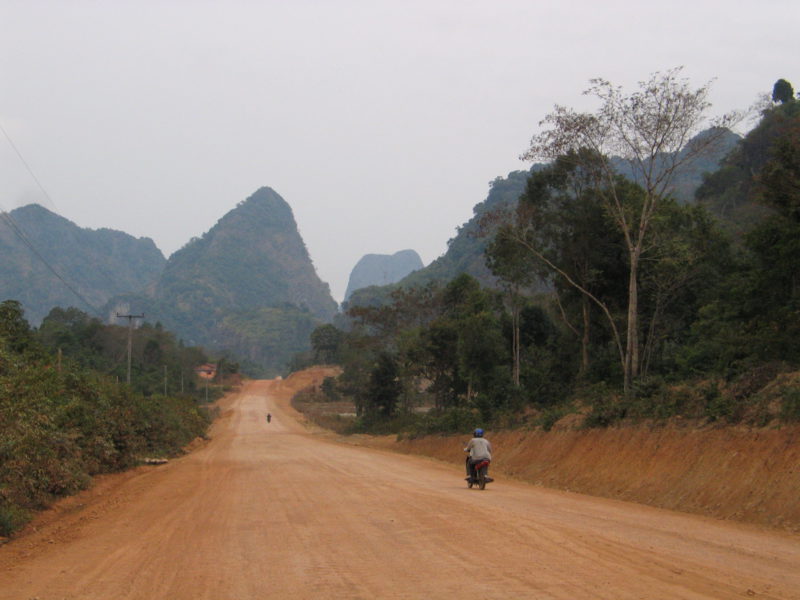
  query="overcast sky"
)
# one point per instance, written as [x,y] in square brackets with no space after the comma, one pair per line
[380,123]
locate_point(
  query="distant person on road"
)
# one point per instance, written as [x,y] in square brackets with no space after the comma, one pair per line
[479,448]
[269,418]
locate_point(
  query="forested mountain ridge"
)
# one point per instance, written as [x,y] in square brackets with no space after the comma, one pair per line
[253,257]
[465,252]
[732,192]
[691,176]
[98,264]
[247,287]
[651,311]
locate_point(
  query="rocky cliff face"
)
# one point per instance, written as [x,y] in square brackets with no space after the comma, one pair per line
[97,264]
[252,258]
[246,287]
[382,269]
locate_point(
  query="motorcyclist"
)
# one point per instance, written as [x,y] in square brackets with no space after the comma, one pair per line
[479,449]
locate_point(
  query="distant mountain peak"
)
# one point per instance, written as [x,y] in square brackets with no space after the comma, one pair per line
[382,269]
[247,286]
[251,258]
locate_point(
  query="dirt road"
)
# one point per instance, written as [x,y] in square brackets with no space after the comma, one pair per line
[274,511]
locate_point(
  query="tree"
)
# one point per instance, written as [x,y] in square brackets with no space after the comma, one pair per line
[509,262]
[384,387]
[15,332]
[688,258]
[326,341]
[776,245]
[653,131]
[780,178]
[782,91]
[560,221]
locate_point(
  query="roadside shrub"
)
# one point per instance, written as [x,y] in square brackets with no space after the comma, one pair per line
[12,517]
[311,393]
[552,414]
[606,406]
[330,389]
[790,405]
[605,413]
[57,430]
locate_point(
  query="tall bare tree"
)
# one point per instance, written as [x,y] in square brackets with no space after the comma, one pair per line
[654,132]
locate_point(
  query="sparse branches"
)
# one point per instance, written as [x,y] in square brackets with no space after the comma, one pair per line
[646,135]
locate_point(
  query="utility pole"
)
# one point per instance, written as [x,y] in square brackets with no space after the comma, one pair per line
[130,337]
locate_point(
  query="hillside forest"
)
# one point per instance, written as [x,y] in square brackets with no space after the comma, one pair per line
[613,298]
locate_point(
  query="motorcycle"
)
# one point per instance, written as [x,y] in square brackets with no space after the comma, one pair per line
[479,473]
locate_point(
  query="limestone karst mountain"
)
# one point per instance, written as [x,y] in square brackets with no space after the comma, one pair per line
[47,259]
[247,287]
[382,269]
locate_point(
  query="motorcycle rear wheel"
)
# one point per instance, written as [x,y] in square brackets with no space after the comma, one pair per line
[482,478]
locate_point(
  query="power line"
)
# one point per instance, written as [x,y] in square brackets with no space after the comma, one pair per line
[24,238]
[27,166]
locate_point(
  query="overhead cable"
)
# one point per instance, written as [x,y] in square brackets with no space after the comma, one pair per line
[26,240]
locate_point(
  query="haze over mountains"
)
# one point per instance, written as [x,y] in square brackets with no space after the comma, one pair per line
[97,264]
[465,251]
[247,287]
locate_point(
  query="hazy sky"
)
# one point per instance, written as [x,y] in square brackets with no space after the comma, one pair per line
[381,123]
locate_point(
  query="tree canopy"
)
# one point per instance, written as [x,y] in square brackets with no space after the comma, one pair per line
[782,91]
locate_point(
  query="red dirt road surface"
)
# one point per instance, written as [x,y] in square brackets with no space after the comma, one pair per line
[279,511]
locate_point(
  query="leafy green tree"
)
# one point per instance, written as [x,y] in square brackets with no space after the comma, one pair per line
[509,262]
[384,387]
[782,91]
[688,259]
[326,341]
[733,193]
[780,178]
[76,335]
[753,317]
[776,246]
[649,130]
[88,343]
[561,223]
[465,341]
[15,332]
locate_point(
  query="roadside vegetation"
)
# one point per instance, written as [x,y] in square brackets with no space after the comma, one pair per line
[66,413]
[614,300]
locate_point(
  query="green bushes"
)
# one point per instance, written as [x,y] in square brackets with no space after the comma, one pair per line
[790,408]
[59,429]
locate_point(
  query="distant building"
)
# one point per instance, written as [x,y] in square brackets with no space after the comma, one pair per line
[207,371]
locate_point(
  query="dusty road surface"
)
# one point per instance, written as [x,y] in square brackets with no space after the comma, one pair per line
[275,511]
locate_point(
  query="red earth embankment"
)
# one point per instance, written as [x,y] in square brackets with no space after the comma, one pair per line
[750,475]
